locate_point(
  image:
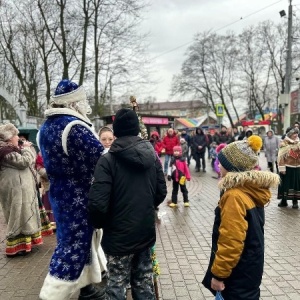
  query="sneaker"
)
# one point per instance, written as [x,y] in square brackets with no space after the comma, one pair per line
[173,204]
[186,204]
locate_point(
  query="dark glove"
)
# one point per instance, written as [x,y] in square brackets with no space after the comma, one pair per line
[169,177]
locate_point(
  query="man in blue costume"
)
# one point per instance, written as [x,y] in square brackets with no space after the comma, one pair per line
[71,149]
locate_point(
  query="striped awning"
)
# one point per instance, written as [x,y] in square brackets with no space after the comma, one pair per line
[187,122]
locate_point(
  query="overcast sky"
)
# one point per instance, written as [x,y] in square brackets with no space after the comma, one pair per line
[172,23]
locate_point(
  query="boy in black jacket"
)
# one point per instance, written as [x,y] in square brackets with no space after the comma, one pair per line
[129,183]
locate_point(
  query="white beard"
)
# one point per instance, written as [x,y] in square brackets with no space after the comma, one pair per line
[83,107]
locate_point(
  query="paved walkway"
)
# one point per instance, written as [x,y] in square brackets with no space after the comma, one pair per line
[183,248]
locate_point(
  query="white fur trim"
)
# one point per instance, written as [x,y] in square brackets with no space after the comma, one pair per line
[74,96]
[66,111]
[67,130]
[295,141]
[98,256]
[38,140]
[282,168]
[105,151]
[54,288]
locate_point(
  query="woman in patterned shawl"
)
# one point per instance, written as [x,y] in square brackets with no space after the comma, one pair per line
[18,195]
[289,169]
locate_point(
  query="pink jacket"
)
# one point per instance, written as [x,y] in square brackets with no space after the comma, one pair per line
[179,165]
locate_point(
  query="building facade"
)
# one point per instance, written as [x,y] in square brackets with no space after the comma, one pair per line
[160,116]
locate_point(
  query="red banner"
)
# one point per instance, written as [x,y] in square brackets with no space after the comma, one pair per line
[152,120]
[294,102]
[250,123]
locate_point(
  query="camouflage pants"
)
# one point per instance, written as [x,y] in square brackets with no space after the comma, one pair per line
[135,269]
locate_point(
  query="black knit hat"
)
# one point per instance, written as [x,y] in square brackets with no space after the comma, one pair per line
[126,123]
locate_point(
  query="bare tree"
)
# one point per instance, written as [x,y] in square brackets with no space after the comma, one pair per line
[118,48]
[256,68]
[20,51]
[194,78]
[209,71]
[44,41]
[274,37]
[244,72]
[65,33]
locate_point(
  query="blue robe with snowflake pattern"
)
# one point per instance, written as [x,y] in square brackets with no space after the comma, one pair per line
[70,154]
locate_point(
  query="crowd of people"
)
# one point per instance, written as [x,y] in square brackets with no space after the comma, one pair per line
[99,193]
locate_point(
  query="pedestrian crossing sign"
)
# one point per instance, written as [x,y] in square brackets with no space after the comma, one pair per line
[220,110]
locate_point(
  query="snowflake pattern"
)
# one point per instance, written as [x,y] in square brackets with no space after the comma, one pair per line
[78,201]
[79,234]
[78,191]
[68,192]
[66,267]
[74,257]
[77,214]
[81,155]
[83,168]
[73,226]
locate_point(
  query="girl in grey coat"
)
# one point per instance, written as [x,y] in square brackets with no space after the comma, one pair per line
[271,146]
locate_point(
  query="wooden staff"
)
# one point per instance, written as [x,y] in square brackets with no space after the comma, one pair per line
[143,128]
[156,289]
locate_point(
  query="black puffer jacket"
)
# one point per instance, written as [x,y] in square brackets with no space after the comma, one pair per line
[129,183]
[199,140]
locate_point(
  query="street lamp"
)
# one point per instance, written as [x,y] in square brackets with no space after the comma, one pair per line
[286,97]
[23,116]
[271,120]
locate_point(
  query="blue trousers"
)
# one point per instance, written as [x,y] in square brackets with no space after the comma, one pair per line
[167,159]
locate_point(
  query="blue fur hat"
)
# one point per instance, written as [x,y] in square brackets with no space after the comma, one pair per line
[65,86]
[68,92]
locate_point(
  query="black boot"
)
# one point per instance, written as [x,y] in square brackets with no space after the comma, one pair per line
[270,166]
[295,204]
[282,203]
[89,292]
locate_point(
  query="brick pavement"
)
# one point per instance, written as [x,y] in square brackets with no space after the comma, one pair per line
[183,248]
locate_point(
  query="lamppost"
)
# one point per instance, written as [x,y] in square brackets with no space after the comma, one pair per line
[97,122]
[285,98]
[23,116]
[271,120]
